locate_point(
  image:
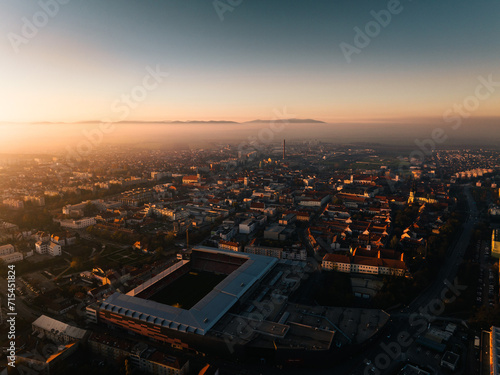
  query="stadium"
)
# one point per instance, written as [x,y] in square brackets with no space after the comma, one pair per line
[223,302]
[242,271]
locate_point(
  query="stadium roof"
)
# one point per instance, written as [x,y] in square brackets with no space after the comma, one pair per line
[209,310]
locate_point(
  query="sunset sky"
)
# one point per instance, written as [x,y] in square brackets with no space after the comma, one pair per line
[263,55]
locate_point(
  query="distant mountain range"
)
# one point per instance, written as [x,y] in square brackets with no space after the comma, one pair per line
[291,120]
[200,122]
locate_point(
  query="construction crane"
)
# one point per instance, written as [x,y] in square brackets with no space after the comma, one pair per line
[187,234]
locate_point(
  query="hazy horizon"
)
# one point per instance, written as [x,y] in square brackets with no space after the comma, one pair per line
[51,138]
[388,72]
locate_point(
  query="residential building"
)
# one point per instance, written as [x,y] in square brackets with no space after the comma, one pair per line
[247,226]
[191,180]
[14,203]
[336,262]
[287,219]
[12,257]
[228,245]
[374,262]
[141,356]
[495,243]
[56,330]
[269,251]
[42,236]
[48,247]
[276,232]
[494,345]
[6,249]
[63,239]
[79,223]
[170,213]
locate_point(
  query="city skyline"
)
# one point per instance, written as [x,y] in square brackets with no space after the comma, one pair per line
[250,187]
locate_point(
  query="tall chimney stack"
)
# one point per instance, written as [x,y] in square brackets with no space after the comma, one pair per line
[283,149]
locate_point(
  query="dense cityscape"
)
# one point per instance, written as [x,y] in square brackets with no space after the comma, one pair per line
[294,257]
[249,187]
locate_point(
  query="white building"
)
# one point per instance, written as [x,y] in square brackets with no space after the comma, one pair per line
[78,209]
[295,254]
[247,226]
[54,249]
[227,233]
[365,265]
[336,262]
[57,331]
[41,247]
[48,247]
[78,224]
[11,258]
[170,213]
[313,202]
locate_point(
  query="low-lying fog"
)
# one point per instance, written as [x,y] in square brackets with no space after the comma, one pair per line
[51,138]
